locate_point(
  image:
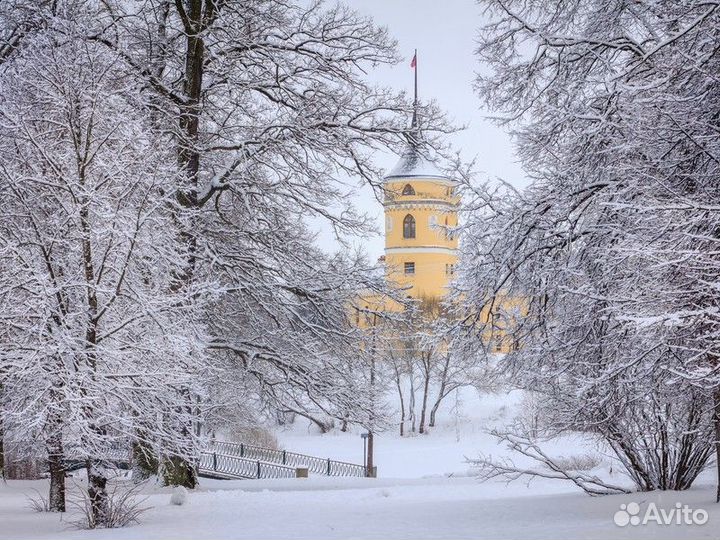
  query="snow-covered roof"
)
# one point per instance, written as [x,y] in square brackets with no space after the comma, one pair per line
[413,164]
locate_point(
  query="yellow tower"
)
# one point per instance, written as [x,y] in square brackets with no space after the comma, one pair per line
[421,246]
[420,216]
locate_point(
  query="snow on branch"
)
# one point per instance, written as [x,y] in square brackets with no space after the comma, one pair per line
[489,468]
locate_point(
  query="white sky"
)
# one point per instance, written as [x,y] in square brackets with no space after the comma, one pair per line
[444,33]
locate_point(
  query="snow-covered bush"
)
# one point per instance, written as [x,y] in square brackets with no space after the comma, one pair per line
[123,507]
[39,502]
[579,462]
[532,417]
[257,435]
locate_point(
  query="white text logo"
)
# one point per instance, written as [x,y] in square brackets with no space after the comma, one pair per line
[680,514]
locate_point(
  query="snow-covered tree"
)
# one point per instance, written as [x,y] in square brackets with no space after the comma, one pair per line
[613,245]
[273,124]
[98,347]
[309,357]
[417,347]
[242,122]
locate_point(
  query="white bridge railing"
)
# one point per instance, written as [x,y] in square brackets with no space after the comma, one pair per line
[314,464]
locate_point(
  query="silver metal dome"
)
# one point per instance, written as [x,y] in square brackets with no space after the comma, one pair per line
[413,164]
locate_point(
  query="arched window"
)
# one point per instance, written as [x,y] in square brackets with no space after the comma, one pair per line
[409,227]
[408,190]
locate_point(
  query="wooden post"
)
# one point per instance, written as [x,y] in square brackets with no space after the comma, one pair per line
[214,462]
[328,467]
[370,458]
[258,469]
[301,472]
[284,457]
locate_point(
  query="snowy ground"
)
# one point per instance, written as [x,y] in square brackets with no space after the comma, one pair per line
[424,491]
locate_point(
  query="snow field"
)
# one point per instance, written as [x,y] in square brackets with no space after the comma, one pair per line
[425,490]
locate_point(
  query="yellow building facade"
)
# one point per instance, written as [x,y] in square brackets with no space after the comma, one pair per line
[421,214]
[421,243]
[421,207]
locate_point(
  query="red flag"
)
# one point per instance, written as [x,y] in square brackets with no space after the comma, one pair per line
[413,63]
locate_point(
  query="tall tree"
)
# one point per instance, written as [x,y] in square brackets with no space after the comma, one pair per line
[260,120]
[613,244]
[99,340]
[273,123]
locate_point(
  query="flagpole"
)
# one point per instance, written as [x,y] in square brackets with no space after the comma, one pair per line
[416,100]
[414,123]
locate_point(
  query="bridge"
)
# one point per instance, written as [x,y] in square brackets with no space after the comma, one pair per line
[225,459]
[119,456]
[229,460]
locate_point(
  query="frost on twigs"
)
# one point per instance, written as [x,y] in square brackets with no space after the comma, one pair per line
[156,263]
[579,462]
[611,250]
[123,507]
[547,467]
[38,502]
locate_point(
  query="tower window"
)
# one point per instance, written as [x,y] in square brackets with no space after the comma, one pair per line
[449,234]
[408,190]
[409,267]
[409,227]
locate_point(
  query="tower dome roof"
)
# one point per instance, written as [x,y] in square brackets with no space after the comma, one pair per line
[413,164]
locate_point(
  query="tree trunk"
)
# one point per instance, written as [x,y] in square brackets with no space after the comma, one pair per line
[56,468]
[402,404]
[716,421]
[97,480]
[97,492]
[442,391]
[2,451]
[178,471]
[434,410]
[195,19]
[144,462]
[411,405]
[370,454]
[426,390]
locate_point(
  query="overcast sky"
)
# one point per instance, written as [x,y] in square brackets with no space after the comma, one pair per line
[444,33]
